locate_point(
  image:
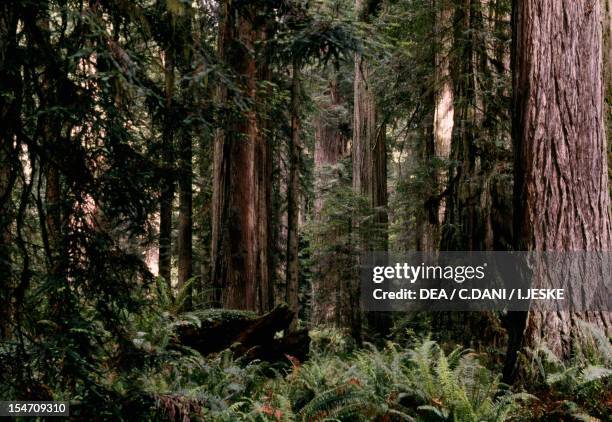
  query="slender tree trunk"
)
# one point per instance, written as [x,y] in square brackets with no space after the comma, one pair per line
[444,112]
[242,176]
[185,162]
[167,193]
[6,281]
[204,212]
[185,220]
[9,109]
[53,213]
[50,130]
[293,197]
[561,180]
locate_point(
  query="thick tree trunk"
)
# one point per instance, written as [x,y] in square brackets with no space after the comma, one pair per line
[242,176]
[247,335]
[167,193]
[369,150]
[561,180]
[293,198]
[330,292]
[607,59]
[369,153]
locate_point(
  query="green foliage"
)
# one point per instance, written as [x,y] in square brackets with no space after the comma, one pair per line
[419,383]
[580,386]
[330,341]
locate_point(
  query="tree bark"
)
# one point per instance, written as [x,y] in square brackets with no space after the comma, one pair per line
[9,109]
[369,153]
[246,335]
[333,293]
[607,71]
[242,174]
[185,220]
[293,198]
[444,111]
[561,180]
[477,197]
[167,193]
[185,173]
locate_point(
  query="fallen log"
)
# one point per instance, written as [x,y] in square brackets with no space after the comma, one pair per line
[246,334]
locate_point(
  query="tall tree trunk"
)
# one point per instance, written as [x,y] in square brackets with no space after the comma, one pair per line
[444,111]
[477,197]
[435,132]
[561,180]
[335,299]
[50,130]
[607,59]
[242,174]
[293,197]
[369,153]
[185,162]
[6,189]
[369,150]
[185,220]
[204,211]
[167,193]
[7,179]
[9,109]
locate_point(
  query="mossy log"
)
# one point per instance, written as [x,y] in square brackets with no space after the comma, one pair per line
[246,334]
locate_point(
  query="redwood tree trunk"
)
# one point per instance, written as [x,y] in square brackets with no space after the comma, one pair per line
[185,220]
[242,176]
[561,179]
[185,173]
[444,108]
[167,193]
[330,289]
[293,198]
[369,153]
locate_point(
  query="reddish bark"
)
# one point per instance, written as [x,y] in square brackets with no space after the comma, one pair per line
[561,171]
[242,174]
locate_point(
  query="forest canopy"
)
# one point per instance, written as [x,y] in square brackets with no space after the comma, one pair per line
[188,189]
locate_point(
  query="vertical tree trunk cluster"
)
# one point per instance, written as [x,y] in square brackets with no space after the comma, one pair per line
[477,196]
[242,176]
[177,152]
[437,130]
[561,169]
